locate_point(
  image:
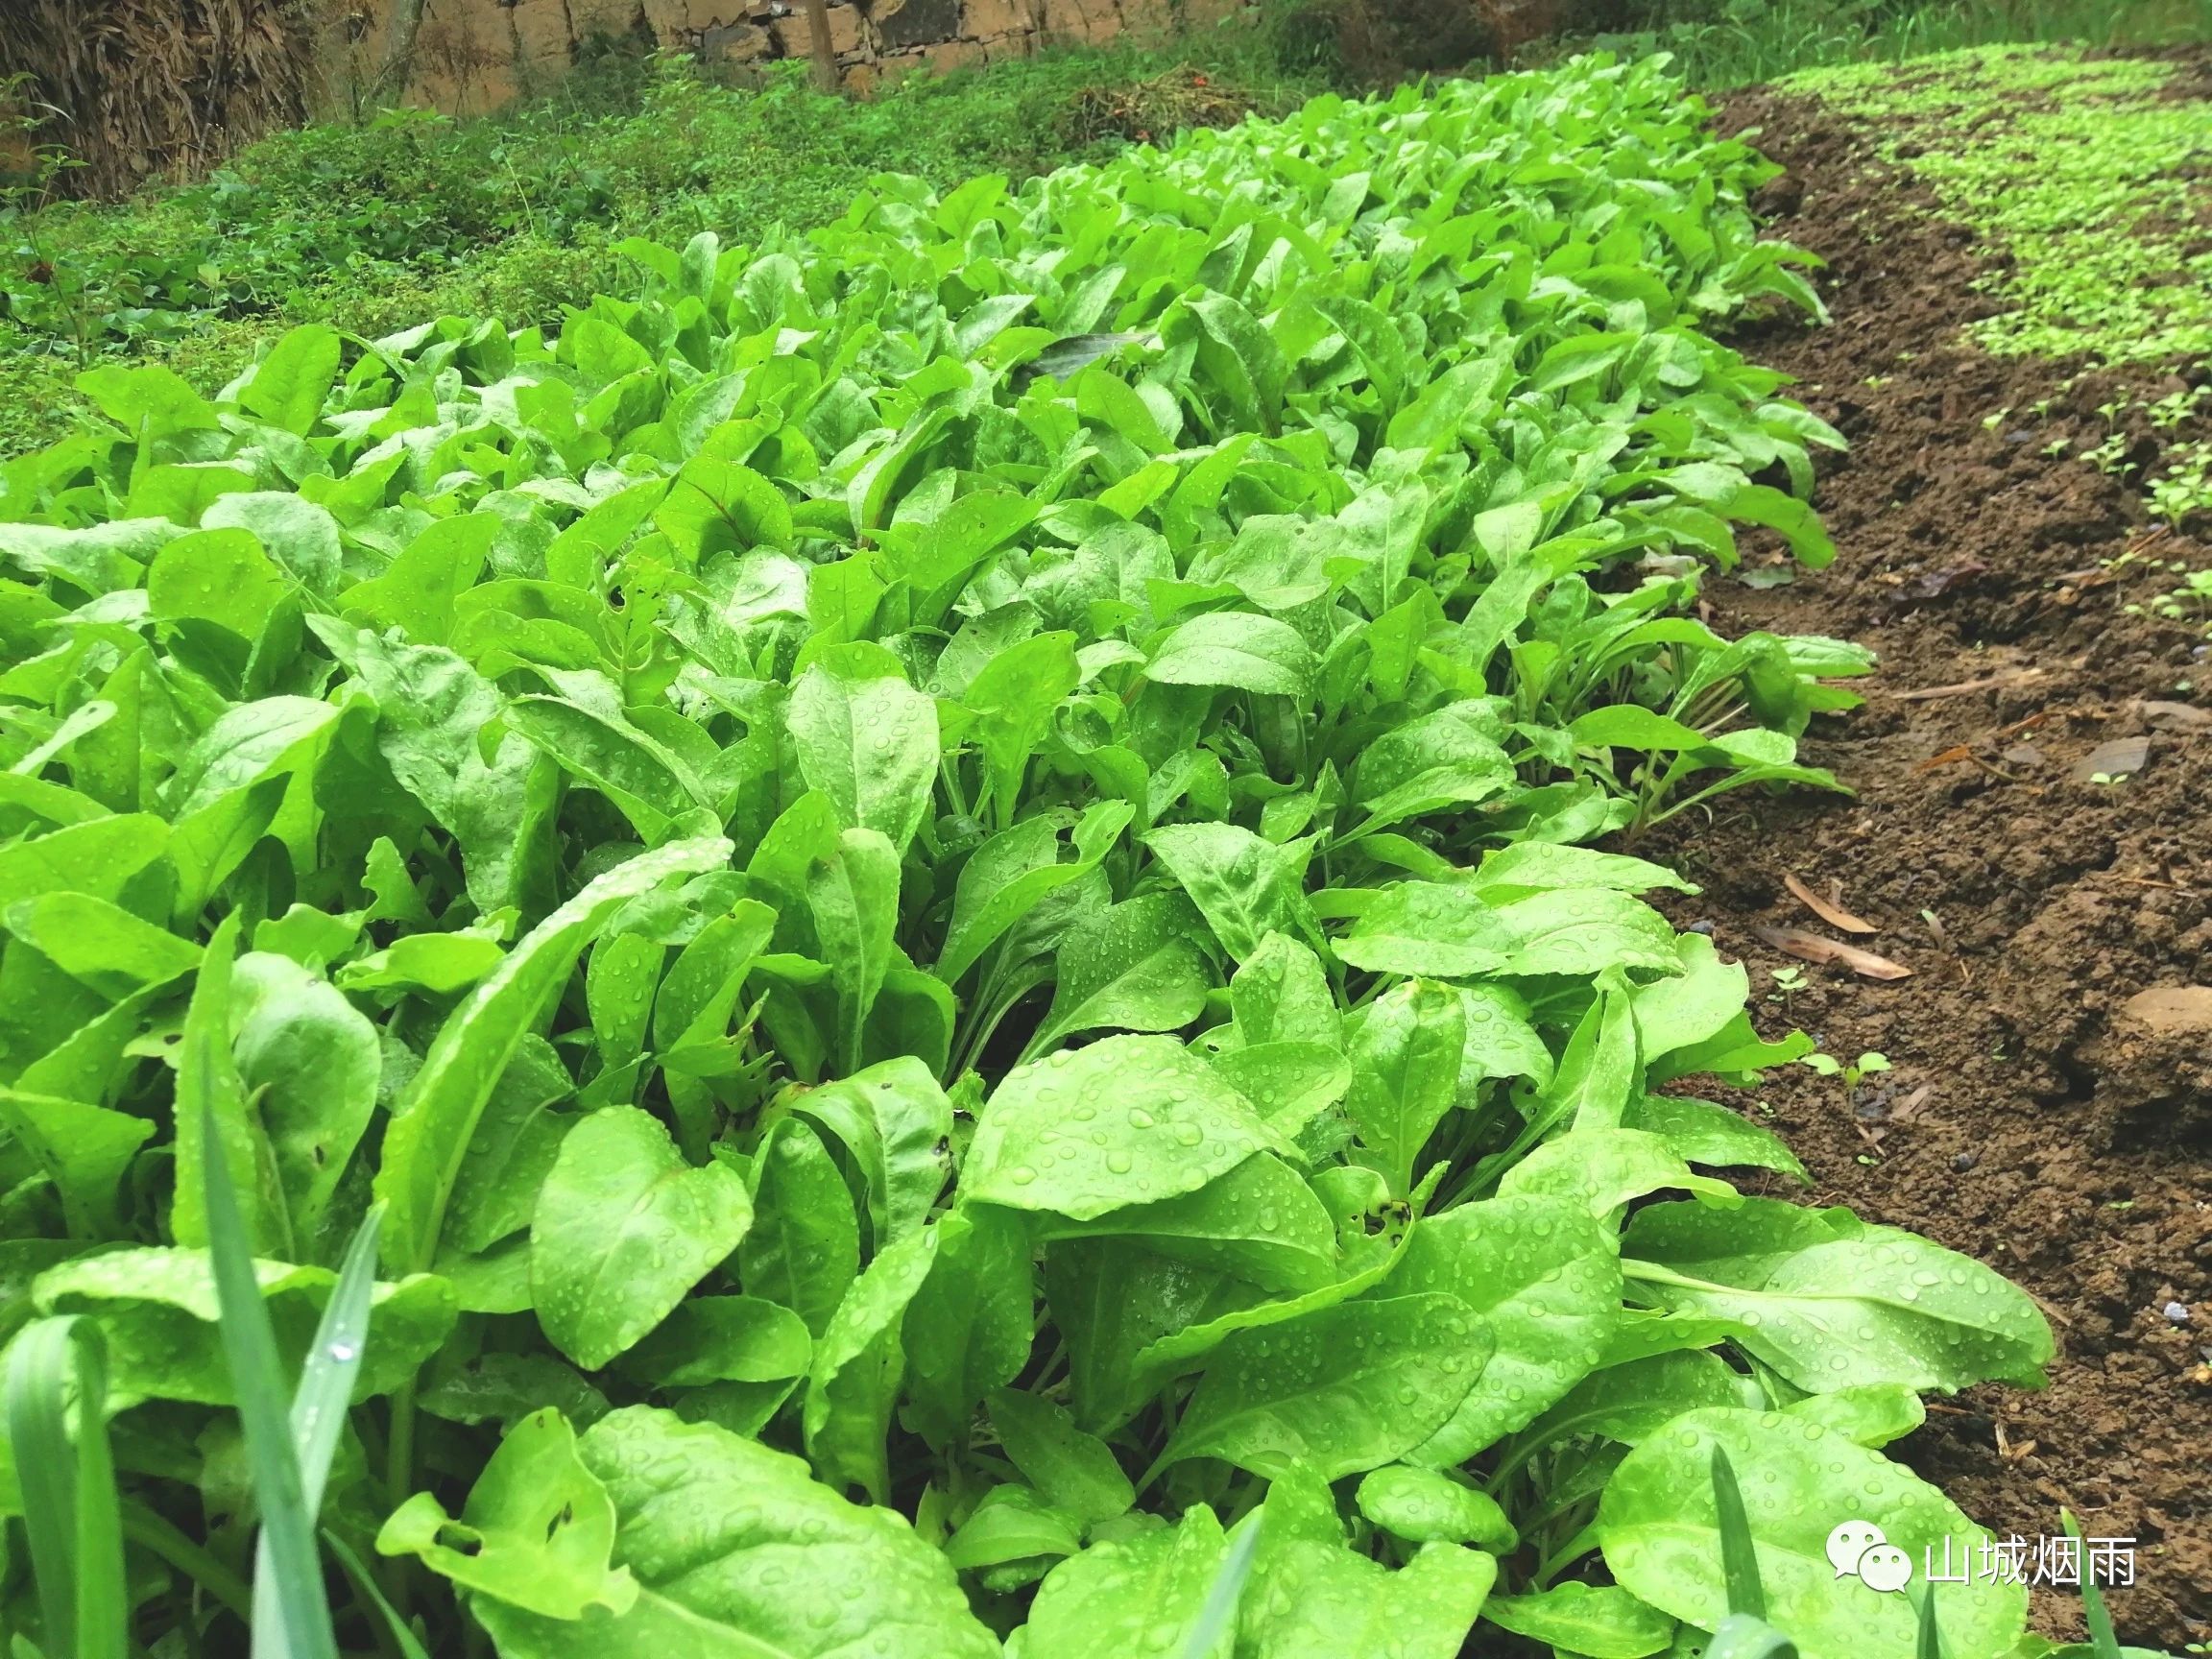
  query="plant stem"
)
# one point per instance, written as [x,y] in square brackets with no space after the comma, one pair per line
[148,1530]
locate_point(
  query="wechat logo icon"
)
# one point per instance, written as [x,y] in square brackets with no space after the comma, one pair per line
[1858,1550]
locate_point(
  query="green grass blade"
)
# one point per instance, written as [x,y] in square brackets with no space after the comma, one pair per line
[1218,1615]
[403,1638]
[1738,1555]
[1930,1642]
[302,1629]
[71,1511]
[319,1403]
[2104,1641]
[334,1361]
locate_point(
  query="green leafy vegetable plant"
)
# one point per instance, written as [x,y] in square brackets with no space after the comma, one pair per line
[930,888]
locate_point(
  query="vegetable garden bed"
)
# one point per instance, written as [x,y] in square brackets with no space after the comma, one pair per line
[2062,1135]
[929,894]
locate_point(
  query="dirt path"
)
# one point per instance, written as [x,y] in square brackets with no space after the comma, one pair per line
[2032,1118]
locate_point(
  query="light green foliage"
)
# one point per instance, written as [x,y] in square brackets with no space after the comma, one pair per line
[935,869]
[1731,43]
[370,225]
[2079,170]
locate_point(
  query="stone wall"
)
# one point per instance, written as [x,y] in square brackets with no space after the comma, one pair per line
[472,55]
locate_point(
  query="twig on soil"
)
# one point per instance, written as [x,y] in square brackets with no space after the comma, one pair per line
[2146,882]
[1959,751]
[1964,688]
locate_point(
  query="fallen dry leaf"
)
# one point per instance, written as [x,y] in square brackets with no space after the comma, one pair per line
[1909,1108]
[1820,952]
[1827,909]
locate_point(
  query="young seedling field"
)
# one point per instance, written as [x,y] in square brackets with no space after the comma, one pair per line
[899,949]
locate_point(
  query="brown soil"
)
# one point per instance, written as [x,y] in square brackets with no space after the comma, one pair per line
[2032,1121]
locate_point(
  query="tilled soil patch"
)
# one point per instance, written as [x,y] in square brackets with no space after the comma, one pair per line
[2050,1110]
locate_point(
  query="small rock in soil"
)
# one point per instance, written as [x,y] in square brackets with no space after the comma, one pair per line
[2169,1008]
[2122,757]
[2177,717]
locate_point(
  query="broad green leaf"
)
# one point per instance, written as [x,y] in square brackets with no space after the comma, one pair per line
[147,398]
[209,1088]
[1281,992]
[419,590]
[1129,1120]
[436,1119]
[1700,1132]
[651,786]
[1870,1416]
[717,506]
[1337,1392]
[1139,1595]
[1406,1049]
[1631,1402]
[722,1339]
[536,1533]
[288,386]
[1013,873]
[312,1063]
[858,1366]
[1599,1621]
[157,1308]
[1601,1169]
[893,1122]
[95,857]
[217,576]
[1013,1525]
[1425,1507]
[1246,887]
[1112,1300]
[99,943]
[1316,1600]
[1259,1221]
[1072,1470]
[1547,1280]
[1831,1303]
[1657,1526]
[1453,932]
[435,716]
[1012,701]
[870,744]
[803,1247]
[970,1328]
[622,1229]
[84,1150]
[504,1388]
[1237,651]
[1132,968]
[1693,1006]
